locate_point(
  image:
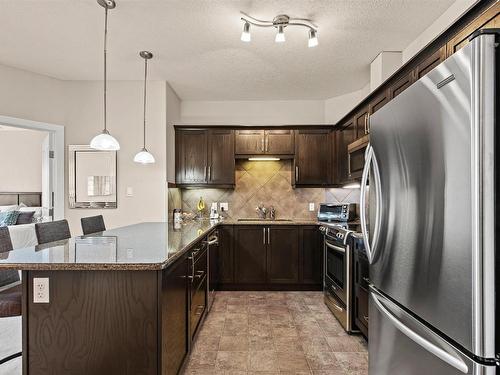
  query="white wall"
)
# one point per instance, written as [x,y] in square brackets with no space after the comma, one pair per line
[84,119]
[384,65]
[173,117]
[457,9]
[21,156]
[273,112]
[336,107]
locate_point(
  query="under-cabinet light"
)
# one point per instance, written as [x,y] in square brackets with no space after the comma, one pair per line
[263,159]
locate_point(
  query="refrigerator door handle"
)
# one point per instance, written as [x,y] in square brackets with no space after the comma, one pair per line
[369,161]
[442,354]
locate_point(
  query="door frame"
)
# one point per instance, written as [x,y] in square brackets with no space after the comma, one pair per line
[57,131]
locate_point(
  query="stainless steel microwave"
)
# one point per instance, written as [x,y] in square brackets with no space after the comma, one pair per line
[337,212]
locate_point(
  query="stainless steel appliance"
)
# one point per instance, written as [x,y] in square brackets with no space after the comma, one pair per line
[338,278]
[431,237]
[337,212]
[213,268]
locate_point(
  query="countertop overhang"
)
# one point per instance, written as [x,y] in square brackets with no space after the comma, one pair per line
[138,247]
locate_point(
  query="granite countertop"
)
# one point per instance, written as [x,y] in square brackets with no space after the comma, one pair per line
[144,246]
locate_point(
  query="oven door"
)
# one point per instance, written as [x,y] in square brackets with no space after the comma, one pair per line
[335,269]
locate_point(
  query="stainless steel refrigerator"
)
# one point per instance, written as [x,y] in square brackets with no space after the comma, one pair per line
[431,226]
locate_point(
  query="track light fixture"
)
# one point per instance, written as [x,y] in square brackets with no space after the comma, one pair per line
[279,22]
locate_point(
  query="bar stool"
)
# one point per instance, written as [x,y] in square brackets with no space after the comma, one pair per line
[93,224]
[52,231]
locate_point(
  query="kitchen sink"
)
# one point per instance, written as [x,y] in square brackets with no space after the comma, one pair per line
[257,219]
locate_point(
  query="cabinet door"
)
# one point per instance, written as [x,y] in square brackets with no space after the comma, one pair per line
[345,136]
[191,159]
[361,122]
[226,254]
[312,163]
[250,254]
[401,84]
[279,142]
[490,19]
[429,63]
[311,255]
[175,317]
[376,103]
[249,142]
[282,254]
[221,156]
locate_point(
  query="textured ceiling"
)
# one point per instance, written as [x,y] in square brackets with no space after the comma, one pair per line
[197,47]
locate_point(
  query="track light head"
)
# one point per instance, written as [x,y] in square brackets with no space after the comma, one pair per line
[280,35]
[245,35]
[313,39]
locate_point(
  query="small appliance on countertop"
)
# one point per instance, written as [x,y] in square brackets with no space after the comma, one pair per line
[332,212]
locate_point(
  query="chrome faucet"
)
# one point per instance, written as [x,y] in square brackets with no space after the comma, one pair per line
[261,211]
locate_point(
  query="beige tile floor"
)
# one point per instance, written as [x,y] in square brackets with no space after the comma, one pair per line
[271,333]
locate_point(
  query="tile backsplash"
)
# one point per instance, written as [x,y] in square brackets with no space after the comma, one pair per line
[266,182]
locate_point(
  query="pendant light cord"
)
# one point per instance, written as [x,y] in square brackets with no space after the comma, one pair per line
[105,65]
[145,86]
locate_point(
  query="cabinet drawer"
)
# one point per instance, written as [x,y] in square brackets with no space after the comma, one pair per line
[198,305]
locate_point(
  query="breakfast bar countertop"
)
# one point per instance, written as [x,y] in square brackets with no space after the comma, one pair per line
[143,246]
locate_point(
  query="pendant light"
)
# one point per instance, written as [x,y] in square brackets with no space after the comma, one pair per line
[144,156]
[105,141]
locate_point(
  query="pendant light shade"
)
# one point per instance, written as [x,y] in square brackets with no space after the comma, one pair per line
[144,156]
[105,141]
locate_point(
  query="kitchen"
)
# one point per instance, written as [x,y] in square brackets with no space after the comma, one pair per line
[277,252]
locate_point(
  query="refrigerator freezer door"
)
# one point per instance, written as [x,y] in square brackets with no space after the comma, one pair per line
[399,344]
[428,256]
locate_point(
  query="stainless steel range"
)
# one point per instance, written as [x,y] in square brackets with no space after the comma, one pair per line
[338,280]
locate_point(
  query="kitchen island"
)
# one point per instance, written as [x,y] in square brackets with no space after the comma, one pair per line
[119,302]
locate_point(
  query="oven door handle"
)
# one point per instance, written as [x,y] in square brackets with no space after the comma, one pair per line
[333,247]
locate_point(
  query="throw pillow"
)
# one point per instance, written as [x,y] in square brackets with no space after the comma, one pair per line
[25,218]
[8,218]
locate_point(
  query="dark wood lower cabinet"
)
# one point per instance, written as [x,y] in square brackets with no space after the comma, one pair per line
[276,257]
[250,256]
[226,254]
[174,331]
[311,255]
[282,254]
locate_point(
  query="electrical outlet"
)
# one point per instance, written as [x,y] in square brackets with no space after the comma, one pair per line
[130,191]
[41,290]
[224,206]
[311,206]
[130,253]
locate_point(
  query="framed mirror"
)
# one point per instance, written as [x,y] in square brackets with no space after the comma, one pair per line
[92,177]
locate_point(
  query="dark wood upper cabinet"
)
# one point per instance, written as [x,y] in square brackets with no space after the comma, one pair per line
[282,254]
[310,255]
[429,63]
[345,135]
[250,257]
[279,142]
[191,156]
[221,157]
[401,84]
[204,157]
[312,163]
[264,142]
[490,19]
[249,142]
[376,103]
[361,121]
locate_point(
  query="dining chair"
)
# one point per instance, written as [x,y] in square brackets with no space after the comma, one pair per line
[52,231]
[93,224]
[10,288]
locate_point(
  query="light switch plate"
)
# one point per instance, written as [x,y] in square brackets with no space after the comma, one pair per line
[41,290]
[130,191]
[224,205]
[311,206]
